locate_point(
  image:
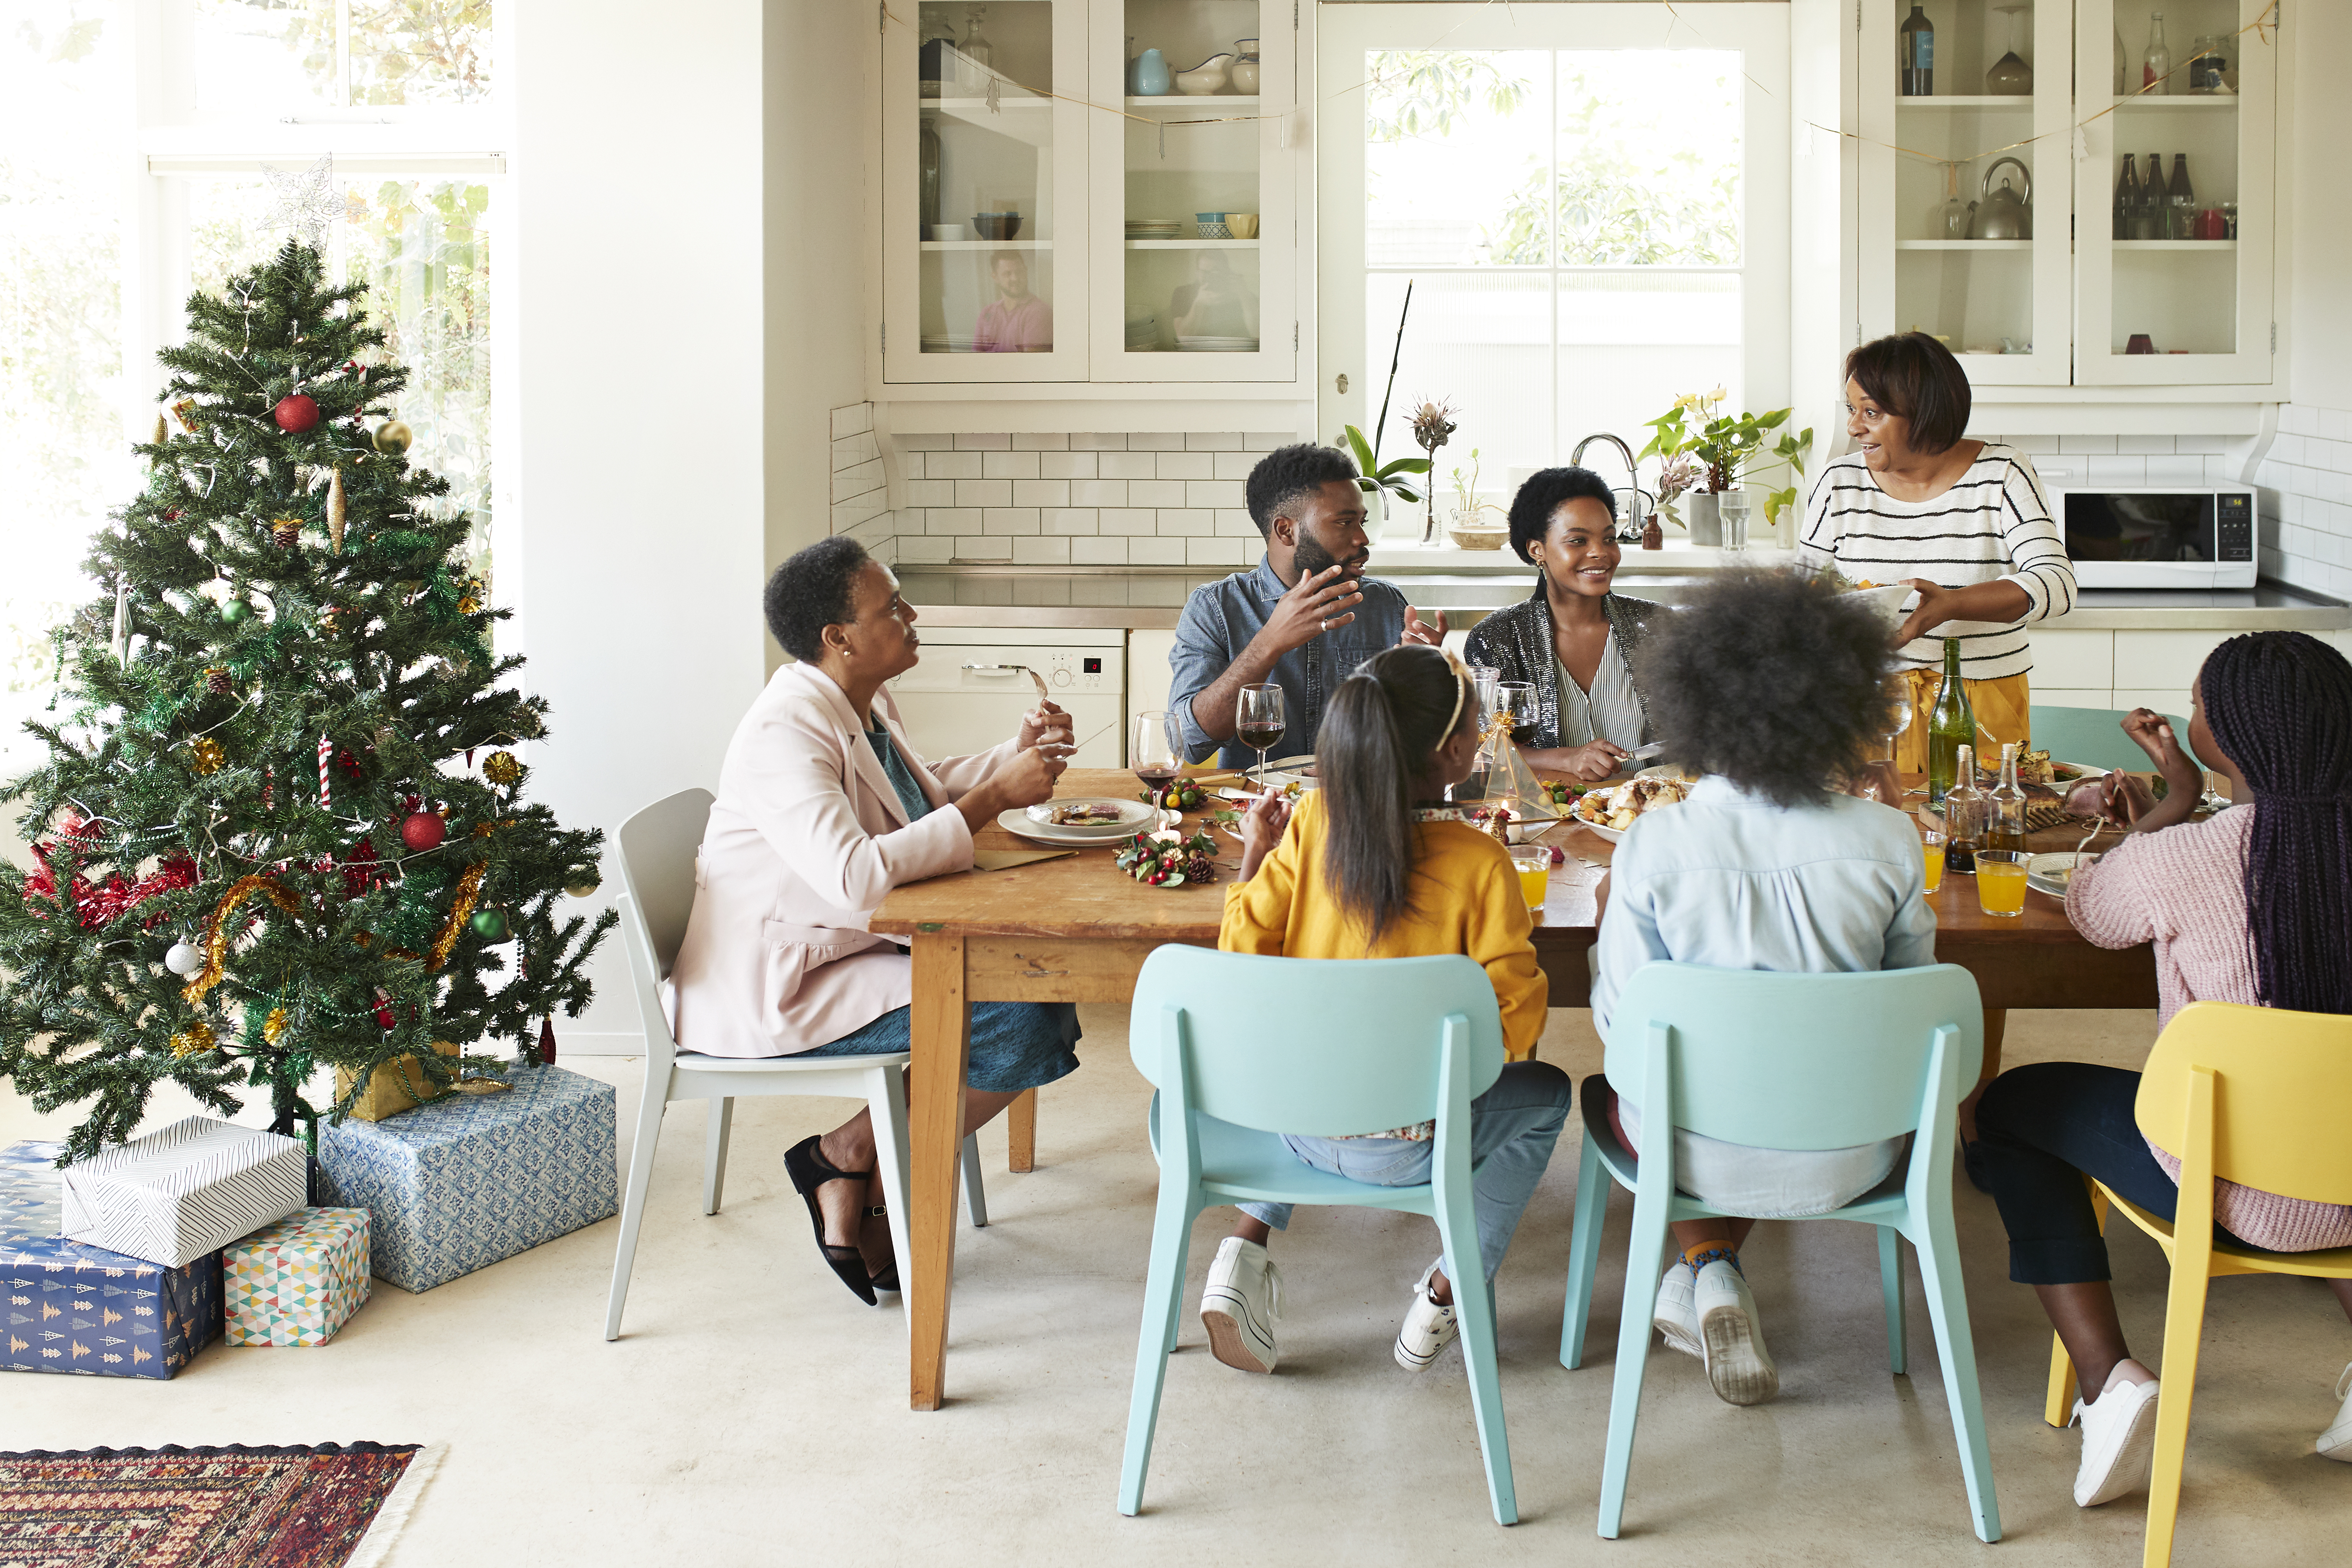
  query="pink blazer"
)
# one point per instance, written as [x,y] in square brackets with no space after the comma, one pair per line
[805,839]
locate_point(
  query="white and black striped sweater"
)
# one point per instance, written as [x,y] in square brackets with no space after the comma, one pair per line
[1993,525]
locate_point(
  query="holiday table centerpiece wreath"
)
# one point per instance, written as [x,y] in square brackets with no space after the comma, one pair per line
[287,594]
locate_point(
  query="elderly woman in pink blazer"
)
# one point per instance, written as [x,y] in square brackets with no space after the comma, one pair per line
[823,808]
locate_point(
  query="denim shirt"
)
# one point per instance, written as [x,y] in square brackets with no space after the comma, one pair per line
[1219,620]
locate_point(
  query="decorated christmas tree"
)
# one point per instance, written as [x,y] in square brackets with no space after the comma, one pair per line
[279,829]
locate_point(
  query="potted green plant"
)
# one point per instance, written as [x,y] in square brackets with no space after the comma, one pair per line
[1707,452]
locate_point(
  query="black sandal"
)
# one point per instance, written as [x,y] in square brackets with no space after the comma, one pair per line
[805,1164]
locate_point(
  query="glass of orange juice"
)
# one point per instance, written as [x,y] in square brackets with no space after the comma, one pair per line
[1533,863]
[1931,849]
[2001,882]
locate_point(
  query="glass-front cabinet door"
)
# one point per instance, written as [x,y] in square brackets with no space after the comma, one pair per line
[2175,192]
[1194,193]
[985,162]
[1966,190]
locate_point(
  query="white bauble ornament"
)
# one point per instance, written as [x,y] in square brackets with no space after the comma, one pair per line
[183,959]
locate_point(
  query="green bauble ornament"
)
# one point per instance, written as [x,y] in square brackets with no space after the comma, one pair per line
[234,612]
[491,925]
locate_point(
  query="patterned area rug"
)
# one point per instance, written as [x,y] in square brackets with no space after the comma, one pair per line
[327,1507]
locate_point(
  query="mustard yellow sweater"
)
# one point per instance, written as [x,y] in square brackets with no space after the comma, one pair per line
[1466,899]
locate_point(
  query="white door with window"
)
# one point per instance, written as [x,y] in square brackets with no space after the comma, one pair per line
[1589,205]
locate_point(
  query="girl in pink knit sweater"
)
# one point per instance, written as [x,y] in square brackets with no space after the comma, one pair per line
[2251,906]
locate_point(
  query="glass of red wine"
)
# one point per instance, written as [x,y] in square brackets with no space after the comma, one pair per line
[1258,722]
[1153,754]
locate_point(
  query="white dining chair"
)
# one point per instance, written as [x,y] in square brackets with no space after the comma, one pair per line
[658,848]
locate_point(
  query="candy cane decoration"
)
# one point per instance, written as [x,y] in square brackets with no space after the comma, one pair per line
[326,755]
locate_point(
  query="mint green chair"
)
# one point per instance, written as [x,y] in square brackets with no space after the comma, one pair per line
[2093,737]
[1242,1049]
[1787,1061]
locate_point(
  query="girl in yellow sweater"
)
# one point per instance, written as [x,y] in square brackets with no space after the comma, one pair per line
[1377,865]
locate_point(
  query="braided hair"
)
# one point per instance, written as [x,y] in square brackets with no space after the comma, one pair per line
[2279,707]
[1376,738]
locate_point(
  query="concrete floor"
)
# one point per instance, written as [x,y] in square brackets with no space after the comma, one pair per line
[755,1413]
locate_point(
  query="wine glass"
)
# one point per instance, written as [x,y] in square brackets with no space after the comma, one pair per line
[1898,716]
[1517,698]
[1258,722]
[1153,752]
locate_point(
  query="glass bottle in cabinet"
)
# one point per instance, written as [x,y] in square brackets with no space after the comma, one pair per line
[1916,54]
[980,163]
[1191,198]
[2156,66]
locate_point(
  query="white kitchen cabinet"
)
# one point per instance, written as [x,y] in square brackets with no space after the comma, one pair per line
[2072,304]
[1048,221]
[1147,673]
[2078,661]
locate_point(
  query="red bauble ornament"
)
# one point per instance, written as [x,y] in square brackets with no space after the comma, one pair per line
[297,412]
[423,830]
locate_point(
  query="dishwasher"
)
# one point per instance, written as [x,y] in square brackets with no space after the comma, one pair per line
[970,690]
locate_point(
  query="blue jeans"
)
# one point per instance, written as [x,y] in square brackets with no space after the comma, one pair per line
[1512,1127]
[2040,1130]
[1015,1045]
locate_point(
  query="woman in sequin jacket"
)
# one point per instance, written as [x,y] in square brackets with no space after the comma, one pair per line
[1573,640]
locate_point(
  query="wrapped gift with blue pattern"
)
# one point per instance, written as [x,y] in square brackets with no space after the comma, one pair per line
[468,1180]
[72,1306]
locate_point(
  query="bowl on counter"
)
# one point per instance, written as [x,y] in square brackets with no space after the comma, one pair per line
[1476,536]
[999,227]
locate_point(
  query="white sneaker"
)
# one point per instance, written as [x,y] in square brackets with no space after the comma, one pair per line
[1738,1365]
[1675,1316]
[1429,1326]
[2118,1442]
[1239,1307]
[2335,1443]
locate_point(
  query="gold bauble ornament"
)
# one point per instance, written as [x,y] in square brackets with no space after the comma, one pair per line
[393,437]
[198,1037]
[205,755]
[583,884]
[502,768]
[275,1025]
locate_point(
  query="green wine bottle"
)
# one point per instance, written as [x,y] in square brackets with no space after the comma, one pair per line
[1951,725]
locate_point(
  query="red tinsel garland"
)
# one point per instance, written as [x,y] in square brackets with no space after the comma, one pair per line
[96,905]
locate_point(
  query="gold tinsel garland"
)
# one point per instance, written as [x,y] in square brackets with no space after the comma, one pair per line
[216,937]
[198,1037]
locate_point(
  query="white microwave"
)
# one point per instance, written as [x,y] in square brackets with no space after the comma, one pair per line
[2155,536]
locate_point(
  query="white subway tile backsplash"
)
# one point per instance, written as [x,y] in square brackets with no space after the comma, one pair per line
[1155,492]
[1127,465]
[2117,471]
[1099,492]
[1097,552]
[1041,493]
[983,492]
[951,519]
[1234,465]
[2305,492]
[1042,552]
[930,492]
[922,548]
[2299,418]
[1010,519]
[1186,465]
[1155,551]
[1041,443]
[999,442]
[1098,442]
[1008,465]
[1067,519]
[1212,493]
[1235,522]
[1210,552]
[927,443]
[952,464]
[855,420]
[2088,444]
[1155,441]
[1266,440]
[1232,443]
[1162,593]
[1132,521]
[857,479]
[1188,522]
[1068,465]
[2145,445]
[2176,470]
[971,547]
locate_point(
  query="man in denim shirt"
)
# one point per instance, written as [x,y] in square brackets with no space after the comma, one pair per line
[1302,619]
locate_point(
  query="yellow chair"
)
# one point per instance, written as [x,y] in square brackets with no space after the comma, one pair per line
[2256,1096]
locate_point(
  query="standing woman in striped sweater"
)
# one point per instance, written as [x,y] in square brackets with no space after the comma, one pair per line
[1965,523]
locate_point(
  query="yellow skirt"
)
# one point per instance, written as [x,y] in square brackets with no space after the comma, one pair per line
[2003,710]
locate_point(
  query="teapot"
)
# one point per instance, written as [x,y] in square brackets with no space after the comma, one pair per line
[2003,213]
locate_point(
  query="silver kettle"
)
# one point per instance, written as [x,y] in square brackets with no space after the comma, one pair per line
[2003,214]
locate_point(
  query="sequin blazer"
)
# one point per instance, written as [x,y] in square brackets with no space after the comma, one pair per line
[1518,642]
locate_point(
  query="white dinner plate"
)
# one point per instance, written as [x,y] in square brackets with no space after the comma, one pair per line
[2048,873]
[1139,819]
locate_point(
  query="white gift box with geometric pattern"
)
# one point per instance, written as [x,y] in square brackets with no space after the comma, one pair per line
[296,1282]
[174,1196]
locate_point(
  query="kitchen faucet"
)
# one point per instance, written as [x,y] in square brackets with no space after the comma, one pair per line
[1639,515]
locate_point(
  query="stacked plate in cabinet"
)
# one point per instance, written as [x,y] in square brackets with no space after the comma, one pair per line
[1154,228]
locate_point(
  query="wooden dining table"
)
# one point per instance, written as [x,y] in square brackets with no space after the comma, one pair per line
[1078,929]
